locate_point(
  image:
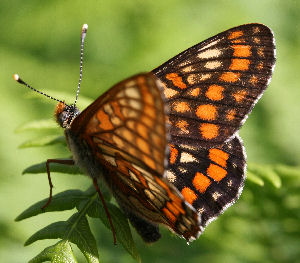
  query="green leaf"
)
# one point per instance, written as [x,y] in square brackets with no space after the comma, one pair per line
[287,171]
[75,230]
[54,168]
[254,178]
[61,252]
[38,125]
[44,141]
[266,172]
[60,202]
[120,222]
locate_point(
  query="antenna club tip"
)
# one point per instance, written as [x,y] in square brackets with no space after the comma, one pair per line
[16,77]
[84,28]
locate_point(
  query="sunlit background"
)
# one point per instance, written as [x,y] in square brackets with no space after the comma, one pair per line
[40,40]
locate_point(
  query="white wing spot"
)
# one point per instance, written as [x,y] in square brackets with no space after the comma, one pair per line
[132,93]
[135,104]
[171,176]
[182,170]
[213,64]
[187,69]
[216,195]
[110,159]
[196,78]
[187,158]
[133,176]
[210,53]
[211,44]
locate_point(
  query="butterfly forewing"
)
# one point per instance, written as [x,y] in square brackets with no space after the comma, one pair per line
[126,131]
[129,118]
[211,87]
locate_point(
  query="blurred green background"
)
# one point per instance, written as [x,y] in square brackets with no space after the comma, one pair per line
[40,41]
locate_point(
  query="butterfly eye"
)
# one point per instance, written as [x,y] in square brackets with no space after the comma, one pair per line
[66,117]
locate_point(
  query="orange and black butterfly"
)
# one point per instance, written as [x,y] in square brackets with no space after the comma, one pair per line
[167,142]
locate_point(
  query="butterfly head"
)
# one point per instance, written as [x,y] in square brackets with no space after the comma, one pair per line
[65,114]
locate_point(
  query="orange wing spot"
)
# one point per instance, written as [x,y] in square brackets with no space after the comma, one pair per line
[218,156]
[189,195]
[256,40]
[260,52]
[149,122]
[253,80]
[176,201]
[173,154]
[169,93]
[216,172]
[149,162]
[231,115]
[260,66]
[239,64]
[182,125]
[118,141]
[173,209]
[181,106]
[241,50]
[127,135]
[117,110]
[143,146]
[176,80]
[240,95]
[230,76]
[206,112]
[195,92]
[201,182]
[235,34]
[142,130]
[209,131]
[104,120]
[256,30]
[169,215]
[214,92]
[150,111]
[149,99]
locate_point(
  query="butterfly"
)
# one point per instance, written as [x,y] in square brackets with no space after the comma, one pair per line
[166,142]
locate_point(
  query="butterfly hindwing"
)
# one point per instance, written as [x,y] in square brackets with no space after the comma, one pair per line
[210,179]
[126,130]
[211,87]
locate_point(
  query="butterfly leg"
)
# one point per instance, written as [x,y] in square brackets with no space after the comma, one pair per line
[106,209]
[67,162]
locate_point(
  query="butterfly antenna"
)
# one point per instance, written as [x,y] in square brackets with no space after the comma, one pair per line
[18,79]
[83,34]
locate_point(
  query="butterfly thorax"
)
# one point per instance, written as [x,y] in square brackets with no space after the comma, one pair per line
[65,114]
[81,151]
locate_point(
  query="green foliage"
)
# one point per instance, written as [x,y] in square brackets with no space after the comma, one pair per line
[76,229]
[59,253]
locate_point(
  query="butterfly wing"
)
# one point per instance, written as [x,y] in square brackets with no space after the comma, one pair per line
[211,87]
[125,130]
[210,179]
